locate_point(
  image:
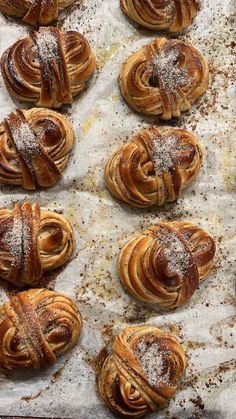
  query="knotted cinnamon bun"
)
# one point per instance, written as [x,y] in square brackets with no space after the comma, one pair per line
[142,372]
[165,264]
[154,168]
[35,12]
[164,78]
[32,241]
[48,68]
[34,147]
[171,15]
[36,327]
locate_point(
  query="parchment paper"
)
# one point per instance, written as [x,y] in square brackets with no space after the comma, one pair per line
[102,225]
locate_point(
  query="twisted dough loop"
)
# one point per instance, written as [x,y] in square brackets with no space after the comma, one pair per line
[36,326]
[166,263]
[154,168]
[164,78]
[48,68]
[34,148]
[35,12]
[171,15]
[32,241]
[142,371]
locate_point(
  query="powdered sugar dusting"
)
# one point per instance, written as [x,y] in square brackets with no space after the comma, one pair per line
[163,152]
[168,9]
[26,240]
[43,2]
[177,255]
[47,44]
[153,361]
[25,140]
[18,239]
[165,9]
[166,69]
[13,239]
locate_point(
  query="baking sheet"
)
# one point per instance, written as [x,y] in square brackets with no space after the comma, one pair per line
[102,122]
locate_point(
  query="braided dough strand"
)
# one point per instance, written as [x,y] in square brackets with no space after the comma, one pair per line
[34,148]
[154,168]
[32,241]
[48,68]
[164,78]
[142,371]
[36,326]
[166,263]
[170,15]
[34,12]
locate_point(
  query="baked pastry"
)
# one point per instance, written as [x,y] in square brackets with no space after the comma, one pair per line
[32,241]
[142,372]
[169,15]
[34,147]
[36,327]
[164,78]
[165,264]
[48,68]
[155,167]
[35,12]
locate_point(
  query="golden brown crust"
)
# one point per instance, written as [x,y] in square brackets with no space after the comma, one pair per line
[32,241]
[48,68]
[165,264]
[155,167]
[164,78]
[142,371]
[34,12]
[34,147]
[36,327]
[169,15]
